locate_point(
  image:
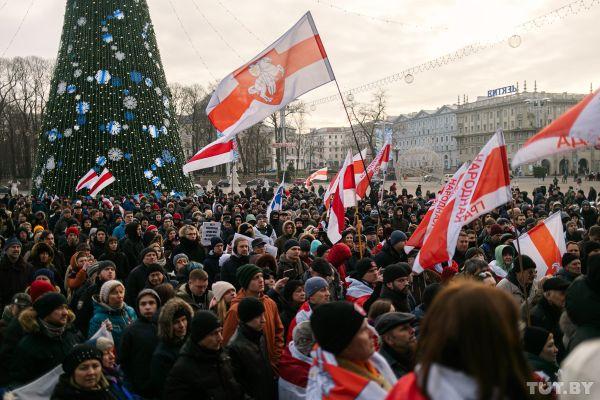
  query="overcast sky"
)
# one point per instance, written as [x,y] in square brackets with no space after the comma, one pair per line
[561,56]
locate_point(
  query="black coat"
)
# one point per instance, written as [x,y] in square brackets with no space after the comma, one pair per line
[14,278]
[546,316]
[400,300]
[121,262]
[192,249]
[230,267]
[401,364]
[64,390]
[83,305]
[137,346]
[202,374]
[251,365]
[388,255]
[211,266]
[136,281]
[583,307]
[131,246]
[163,359]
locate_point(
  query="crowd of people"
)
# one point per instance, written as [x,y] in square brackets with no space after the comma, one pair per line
[269,308]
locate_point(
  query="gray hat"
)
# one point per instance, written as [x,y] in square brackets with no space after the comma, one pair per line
[21,299]
[397,236]
[97,267]
[389,321]
[313,285]
[179,257]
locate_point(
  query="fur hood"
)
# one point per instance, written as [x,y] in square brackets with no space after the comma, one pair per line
[165,318]
[284,226]
[30,324]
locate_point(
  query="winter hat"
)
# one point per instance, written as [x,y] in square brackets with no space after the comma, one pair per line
[72,229]
[220,288]
[496,230]
[250,217]
[395,271]
[80,353]
[179,257]
[146,251]
[555,283]
[215,241]
[103,343]
[314,245]
[313,285]
[289,289]
[335,324]
[534,339]
[568,258]
[11,242]
[250,308]
[145,292]
[21,300]
[108,287]
[389,321]
[38,228]
[362,266]
[44,272]
[245,273]
[528,263]
[396,237]
[203,323]
[99,266]
[38,288]
[289,244]
[472,252]
[304,245]
[151,228]
[154,268]
[47,303]
[177,216]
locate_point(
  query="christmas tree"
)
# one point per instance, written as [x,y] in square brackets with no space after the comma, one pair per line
[109,105]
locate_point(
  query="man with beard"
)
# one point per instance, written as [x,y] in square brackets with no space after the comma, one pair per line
[398,341]
[240,256]
[396,287]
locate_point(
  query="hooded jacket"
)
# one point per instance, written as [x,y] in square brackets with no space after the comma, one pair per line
[119,318]
[132,244]
[280,242]
[338,255]
[191,248]
[498,267]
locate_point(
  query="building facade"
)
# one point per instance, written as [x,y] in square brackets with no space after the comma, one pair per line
[329,146]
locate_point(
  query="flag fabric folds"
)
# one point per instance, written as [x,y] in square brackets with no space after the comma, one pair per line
[87,180]
[545,244]
[105,179]
[484,186]
[577,128]
[380,162]
[357,166]
[336,223]
[275,204]
[295,64]
[220,151]
[318,175]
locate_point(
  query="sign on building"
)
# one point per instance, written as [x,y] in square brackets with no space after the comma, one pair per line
[501,91]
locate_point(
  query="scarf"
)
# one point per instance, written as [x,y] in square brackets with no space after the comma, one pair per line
[366,370]
[52,331]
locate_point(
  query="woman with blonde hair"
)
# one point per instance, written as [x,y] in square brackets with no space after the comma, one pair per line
[224,293]
[189,244]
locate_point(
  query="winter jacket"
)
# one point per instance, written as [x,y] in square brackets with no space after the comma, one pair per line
[14,278]
[400,300]
[66,390]
[136,281]
[583,307]
[511,285]
[280,242]
[338,255]
[351,263]
[546,369]
[230,267]
[197,302]
[137,346]
[388,255]
[121,262]
[401,364]
[82,304]
[298,268]
[192,249]
[273,329]
[202,374]
[132,245]
[250,361]
[119,318]
[37,352]
[211,266]
[12,334]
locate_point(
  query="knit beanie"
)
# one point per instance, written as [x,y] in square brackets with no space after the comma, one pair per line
[38,228]
[250,308]
[203,323]
[72,229]
[534,339]
[150,268]
[12,242]
[179,257]
[528,263]
[290,243]
[38,288]
[314,245]
[395,271]
[215,241]
[80,353]
[362,266]
[146,251]
[568,258]
[335,324]
[44,272]
[245,273]
[47,303]
[99,266]
[108,287]
[220,288]
[145,292]
[397,237]
[313,285]
[289,289]
[305,245]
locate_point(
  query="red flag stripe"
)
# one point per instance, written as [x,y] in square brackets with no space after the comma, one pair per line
[214,150]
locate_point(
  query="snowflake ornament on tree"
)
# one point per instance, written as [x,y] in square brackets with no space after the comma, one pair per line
[101,161]
[102,77]
[61,88]
[115,154]
[130,102]
[50,163]
[82,107]
[113,127]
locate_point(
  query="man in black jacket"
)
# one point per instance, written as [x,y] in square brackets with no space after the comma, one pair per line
[132,244]
[546,313]
[398,341]
[15,273]
[392,251]
[248,351]
[396,287]
[136,280]
[139,342]
[203,369]
[211,262]
[240,256]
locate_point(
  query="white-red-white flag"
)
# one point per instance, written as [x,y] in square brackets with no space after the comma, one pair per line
[318,175]
[445,195]
[87,180]
[545,244]
[484,186]
[295,64]
[337,223]
[357,164]
[105,179]
[220,151]
[577,128]
[380,162]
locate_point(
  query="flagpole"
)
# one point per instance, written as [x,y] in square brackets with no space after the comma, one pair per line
[356,141]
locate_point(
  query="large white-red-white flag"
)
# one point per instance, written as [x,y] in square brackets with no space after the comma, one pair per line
[318,175]
[295,64]
[545,244]
[577,128]
[336,223]
[379,163]
[220,151]
[484,186]
[87,180]
[357,165]
[105,179]
[444,196]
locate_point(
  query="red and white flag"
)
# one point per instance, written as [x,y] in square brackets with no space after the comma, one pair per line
[318,175]
[445,195]
[484,186]
[87,180]
[220,151]
[545,244]
[295,64]
[357,165]
[336,223]
[577,128]
[105,179]
[380,162]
